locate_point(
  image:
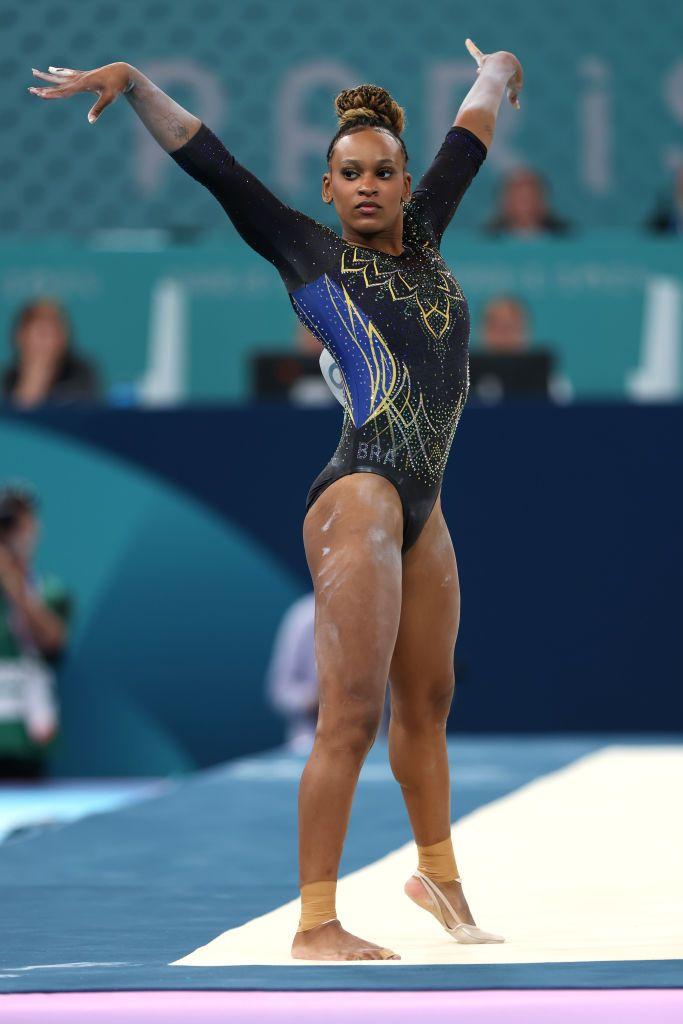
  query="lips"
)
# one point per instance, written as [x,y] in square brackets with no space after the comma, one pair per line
[367,204]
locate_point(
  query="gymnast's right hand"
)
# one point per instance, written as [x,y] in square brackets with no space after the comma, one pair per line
[108,82]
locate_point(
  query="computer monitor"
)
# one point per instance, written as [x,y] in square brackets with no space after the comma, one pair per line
[497,375]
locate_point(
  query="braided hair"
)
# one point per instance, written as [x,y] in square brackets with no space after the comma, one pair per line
[368,106]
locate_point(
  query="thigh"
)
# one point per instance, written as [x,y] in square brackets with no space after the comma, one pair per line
[353,536]
[422,664]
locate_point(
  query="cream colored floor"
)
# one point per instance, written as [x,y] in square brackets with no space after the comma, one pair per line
[585,863]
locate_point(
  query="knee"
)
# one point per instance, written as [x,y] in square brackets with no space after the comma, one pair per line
[349,730]
[427,710]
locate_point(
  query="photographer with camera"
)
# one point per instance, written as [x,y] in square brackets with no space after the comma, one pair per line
[34,614]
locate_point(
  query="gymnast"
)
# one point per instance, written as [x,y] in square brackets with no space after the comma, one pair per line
[395,322]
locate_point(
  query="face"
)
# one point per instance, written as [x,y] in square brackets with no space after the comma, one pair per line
[504,328]
[523,200]
[305,342]
[367,167]
[43,335]
[22,539]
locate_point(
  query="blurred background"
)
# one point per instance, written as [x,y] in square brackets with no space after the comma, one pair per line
[163,415]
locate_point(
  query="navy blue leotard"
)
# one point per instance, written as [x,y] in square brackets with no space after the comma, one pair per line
[397,326]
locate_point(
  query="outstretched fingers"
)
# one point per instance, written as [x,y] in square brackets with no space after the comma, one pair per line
[475,52]
[54,92]
[55,75]
[64,79]
[67,82]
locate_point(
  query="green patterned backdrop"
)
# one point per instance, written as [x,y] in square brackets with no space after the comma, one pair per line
[601,114]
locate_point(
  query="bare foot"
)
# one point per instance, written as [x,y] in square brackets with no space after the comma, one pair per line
[329,941]
[453,893]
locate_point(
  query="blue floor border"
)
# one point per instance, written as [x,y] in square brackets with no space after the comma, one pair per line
[107,902]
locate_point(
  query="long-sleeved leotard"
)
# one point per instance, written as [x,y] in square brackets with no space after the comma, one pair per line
[397,326]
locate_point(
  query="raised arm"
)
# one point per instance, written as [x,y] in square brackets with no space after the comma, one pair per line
[169,123]
[496,73]
[443,185]
[277,232]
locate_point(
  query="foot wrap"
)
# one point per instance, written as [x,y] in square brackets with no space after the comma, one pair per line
[438,861]
[317,904]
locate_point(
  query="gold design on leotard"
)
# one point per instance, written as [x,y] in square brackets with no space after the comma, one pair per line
[418,432]
[397,412]
[434,294]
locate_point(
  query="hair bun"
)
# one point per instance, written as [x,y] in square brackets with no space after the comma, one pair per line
[366,101]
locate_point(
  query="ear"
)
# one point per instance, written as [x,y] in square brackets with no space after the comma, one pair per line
[327,187]
[407,182]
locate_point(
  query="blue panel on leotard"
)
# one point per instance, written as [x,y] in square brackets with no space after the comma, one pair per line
[368,368]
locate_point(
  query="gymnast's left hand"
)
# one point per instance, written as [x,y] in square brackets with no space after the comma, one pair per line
[506,60]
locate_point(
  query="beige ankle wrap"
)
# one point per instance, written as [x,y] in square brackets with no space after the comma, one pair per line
[317,904]
[438,861]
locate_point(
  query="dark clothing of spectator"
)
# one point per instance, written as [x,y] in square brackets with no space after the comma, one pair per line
[76,381]
[667,220]
[550,224]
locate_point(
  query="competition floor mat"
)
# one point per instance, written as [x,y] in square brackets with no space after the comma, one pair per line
[568,847]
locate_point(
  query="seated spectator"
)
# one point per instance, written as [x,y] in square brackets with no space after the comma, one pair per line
[292,376]
[46,367]
[667,219]
[305,342]
[504,325]
[505,364]
[523,208]
[34,615]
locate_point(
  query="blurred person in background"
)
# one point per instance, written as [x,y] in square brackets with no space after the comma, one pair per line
[306,343]
[504,325]
[667,218]
[506,363]
[310,389]
[46,366]
[523,207]
[292,679]
[34,615]
[291,376]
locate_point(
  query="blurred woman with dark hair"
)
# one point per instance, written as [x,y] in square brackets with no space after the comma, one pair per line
[523,207]
[46,367]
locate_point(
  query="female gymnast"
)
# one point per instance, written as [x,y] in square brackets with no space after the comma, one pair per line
[381,299]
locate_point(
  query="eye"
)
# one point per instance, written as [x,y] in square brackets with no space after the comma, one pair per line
[347,171]
[388,171]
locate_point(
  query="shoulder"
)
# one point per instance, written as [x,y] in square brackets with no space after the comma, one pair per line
[316,227]
[417,226]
